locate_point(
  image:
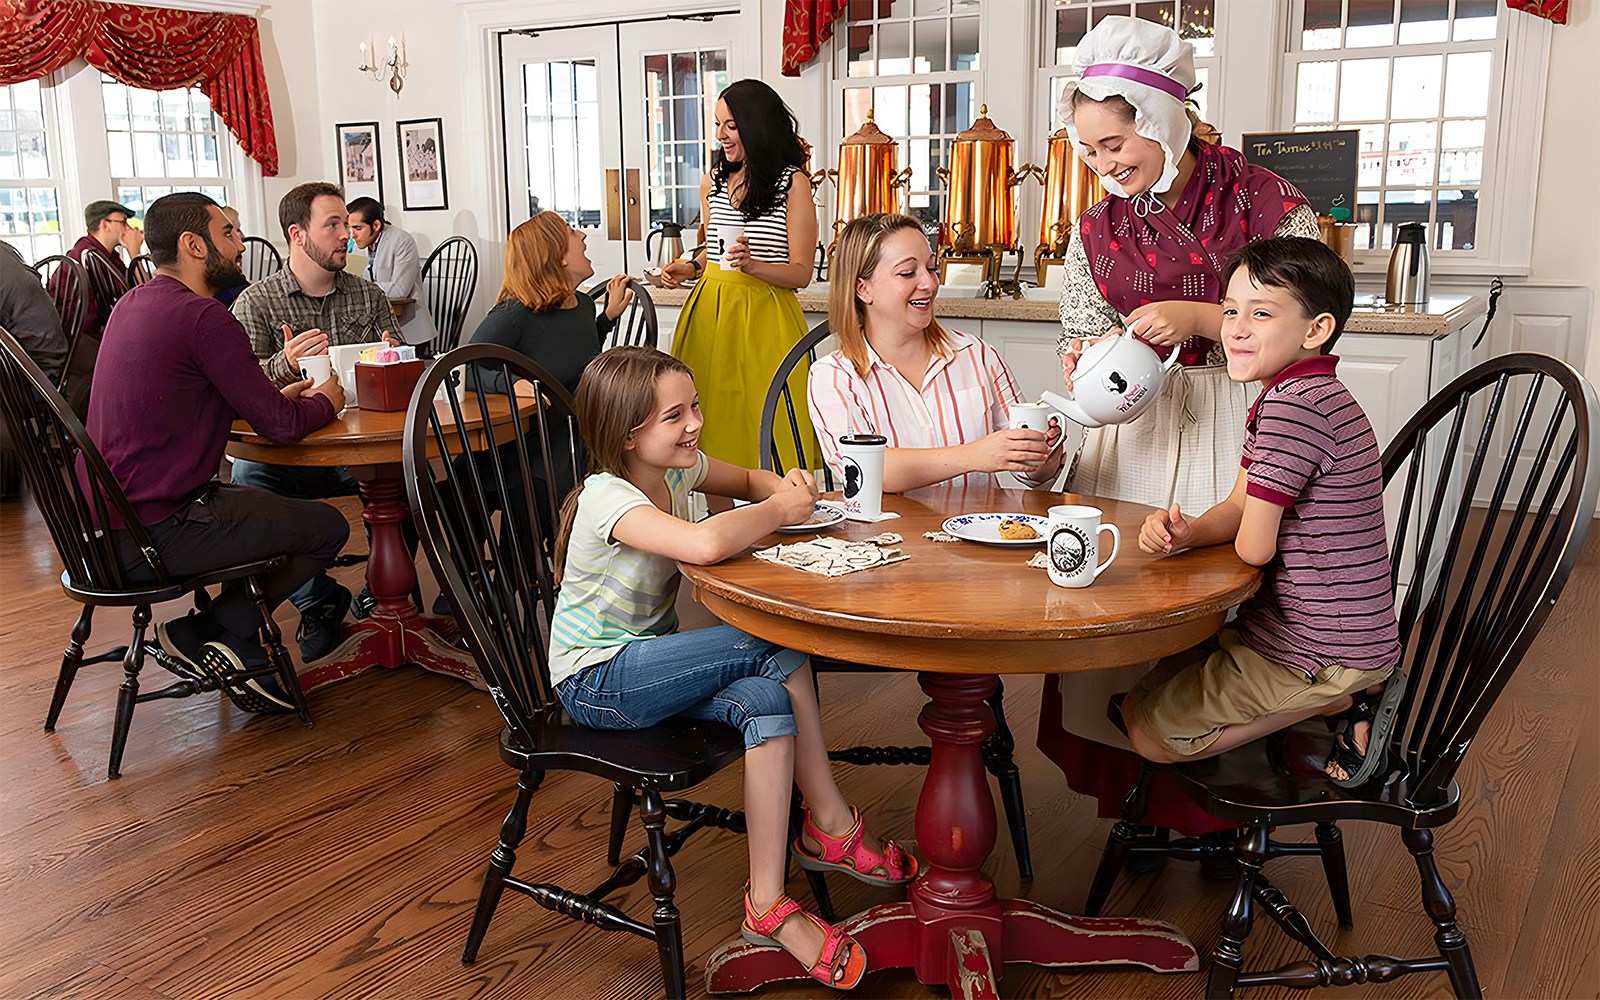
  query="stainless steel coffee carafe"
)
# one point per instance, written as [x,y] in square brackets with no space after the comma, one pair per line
[1408,266]
[671,234]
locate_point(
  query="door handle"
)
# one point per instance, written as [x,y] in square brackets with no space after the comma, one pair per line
[614,204]
[635,230]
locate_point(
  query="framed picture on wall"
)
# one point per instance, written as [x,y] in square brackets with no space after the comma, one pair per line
[422,184]
[360,163]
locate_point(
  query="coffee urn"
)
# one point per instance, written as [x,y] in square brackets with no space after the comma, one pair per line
[867,177]
[1070,189]
[981,211]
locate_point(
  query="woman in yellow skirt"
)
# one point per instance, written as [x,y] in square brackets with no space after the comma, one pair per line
[761,236]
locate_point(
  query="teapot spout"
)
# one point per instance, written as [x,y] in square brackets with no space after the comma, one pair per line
[1069,407]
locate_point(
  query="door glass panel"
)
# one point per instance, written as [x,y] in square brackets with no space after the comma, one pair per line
[561,115]
[678,133]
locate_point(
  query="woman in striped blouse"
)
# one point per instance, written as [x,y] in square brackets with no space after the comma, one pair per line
[942,398]
[743,316]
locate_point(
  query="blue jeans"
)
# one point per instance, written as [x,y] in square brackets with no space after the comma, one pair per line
[718,674]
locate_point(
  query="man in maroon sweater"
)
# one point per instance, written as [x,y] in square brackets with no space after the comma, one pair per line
[175,369]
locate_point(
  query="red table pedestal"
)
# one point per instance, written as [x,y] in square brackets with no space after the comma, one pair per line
[954,929]
[395,634]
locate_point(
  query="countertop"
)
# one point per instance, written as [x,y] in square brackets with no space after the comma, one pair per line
[1441,315]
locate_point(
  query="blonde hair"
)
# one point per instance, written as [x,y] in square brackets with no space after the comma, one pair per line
[860,251]
[536,274]
[616,396]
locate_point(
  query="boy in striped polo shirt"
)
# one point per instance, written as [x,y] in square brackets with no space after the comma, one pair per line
[1319,637]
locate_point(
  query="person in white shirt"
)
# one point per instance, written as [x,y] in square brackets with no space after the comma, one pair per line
[941,397]
[393,264]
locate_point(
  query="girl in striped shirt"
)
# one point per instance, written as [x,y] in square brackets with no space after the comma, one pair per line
[942,398]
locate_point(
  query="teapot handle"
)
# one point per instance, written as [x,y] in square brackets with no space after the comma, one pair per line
[1172,359]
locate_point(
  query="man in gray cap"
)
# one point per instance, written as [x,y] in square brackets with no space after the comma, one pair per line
[96,250]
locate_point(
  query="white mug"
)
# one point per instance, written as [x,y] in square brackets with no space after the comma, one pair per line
[1074,545]
[862,459]
[316,367]
[729,235]
[1035,417]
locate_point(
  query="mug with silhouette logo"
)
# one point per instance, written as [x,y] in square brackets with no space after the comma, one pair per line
[862,460]
[1073,547]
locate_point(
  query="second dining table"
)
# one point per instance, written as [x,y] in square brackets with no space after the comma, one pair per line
[961,614]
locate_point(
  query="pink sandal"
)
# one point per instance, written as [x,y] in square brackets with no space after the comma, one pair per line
[849,854]
[841,963]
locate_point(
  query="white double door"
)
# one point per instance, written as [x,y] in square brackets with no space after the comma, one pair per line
[610,126]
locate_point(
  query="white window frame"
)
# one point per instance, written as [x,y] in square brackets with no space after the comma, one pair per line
[56,159]
[1513,129]
[222,179]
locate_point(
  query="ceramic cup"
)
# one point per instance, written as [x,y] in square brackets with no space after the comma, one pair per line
[863,474]
[1074,545]
[316,367]
[1035,417]
[729,235]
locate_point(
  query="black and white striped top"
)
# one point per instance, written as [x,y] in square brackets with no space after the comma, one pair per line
[768,234]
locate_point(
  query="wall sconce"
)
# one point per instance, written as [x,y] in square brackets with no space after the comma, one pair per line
[392,69]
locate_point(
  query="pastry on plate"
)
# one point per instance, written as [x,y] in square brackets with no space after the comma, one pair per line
[1015,531]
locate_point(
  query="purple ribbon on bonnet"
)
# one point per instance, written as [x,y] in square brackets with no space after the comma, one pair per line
[1138,74]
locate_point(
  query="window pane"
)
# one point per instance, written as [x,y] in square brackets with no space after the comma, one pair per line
[1197,23]
[1411,154]
[858,39]
[894,48]
[655,77]
[960,107]
[1106,10]
[1466,90]
[1314,91]
[148,159]
[964,43]
[857,102]
[115,100]
[1320,29]
[932,8]
[1366,235]
[1456,221]
[180,156]
[1424,21]
[10,162]
[924,103]
[1461,152]
[929,38]
[1369,173]
[1371,23]
[46,215]
[1156,11]
[1416,87]
[1476,19]
[890,105]
[1363,89]
[1401,207]
[121,144]
[1072,23]
[685,75]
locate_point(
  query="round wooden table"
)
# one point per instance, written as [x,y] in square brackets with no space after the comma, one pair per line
[961,613]
[395,634]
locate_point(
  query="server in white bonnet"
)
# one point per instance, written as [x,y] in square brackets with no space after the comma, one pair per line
[1149,257]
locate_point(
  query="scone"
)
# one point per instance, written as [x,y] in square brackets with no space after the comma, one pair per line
[1015,531]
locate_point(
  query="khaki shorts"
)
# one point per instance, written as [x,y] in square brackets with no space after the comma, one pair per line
[1226,683]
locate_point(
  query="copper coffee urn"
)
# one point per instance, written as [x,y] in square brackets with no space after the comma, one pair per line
[1070,189]
[867,177]
[981,213]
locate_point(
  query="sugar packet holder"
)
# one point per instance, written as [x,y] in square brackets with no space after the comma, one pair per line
[389,355]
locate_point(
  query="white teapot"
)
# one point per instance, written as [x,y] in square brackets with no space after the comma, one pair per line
[1115,380]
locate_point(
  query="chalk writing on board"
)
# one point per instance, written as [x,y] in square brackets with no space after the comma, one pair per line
[1322,165]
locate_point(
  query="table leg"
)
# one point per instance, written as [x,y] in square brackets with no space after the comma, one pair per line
[395,634]
[954,930]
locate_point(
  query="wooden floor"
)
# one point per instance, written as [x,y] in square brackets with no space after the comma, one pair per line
[241,856]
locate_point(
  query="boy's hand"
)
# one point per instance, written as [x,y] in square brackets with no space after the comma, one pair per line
[1165,530]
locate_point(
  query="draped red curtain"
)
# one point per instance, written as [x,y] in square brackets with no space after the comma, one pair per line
[1555,10]
[806,25]
[150,47]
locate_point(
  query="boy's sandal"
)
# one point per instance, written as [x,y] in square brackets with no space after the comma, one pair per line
[849,854]
[842,961]
[1379,714]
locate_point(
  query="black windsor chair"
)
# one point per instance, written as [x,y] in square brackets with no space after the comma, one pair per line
[779,416]
[106,282]
[500,584]
[68,285]
[1473,587]
[637,326]
[50,442]
[140,270]
[261,259]
[449,277]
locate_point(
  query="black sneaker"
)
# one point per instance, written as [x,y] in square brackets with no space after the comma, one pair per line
[364,603]
[180,644]
[319,624]
[264,694]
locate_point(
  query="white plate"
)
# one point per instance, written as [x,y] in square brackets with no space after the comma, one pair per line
[986,528]
[822,516]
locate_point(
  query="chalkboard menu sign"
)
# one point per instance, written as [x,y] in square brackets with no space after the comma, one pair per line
[1321,164]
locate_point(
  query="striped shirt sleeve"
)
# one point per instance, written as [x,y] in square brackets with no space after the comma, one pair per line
[1293,441]
[838,404]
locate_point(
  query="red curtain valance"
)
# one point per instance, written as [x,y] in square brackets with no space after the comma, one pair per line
[806,25]
[151,47]
[1555,10]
